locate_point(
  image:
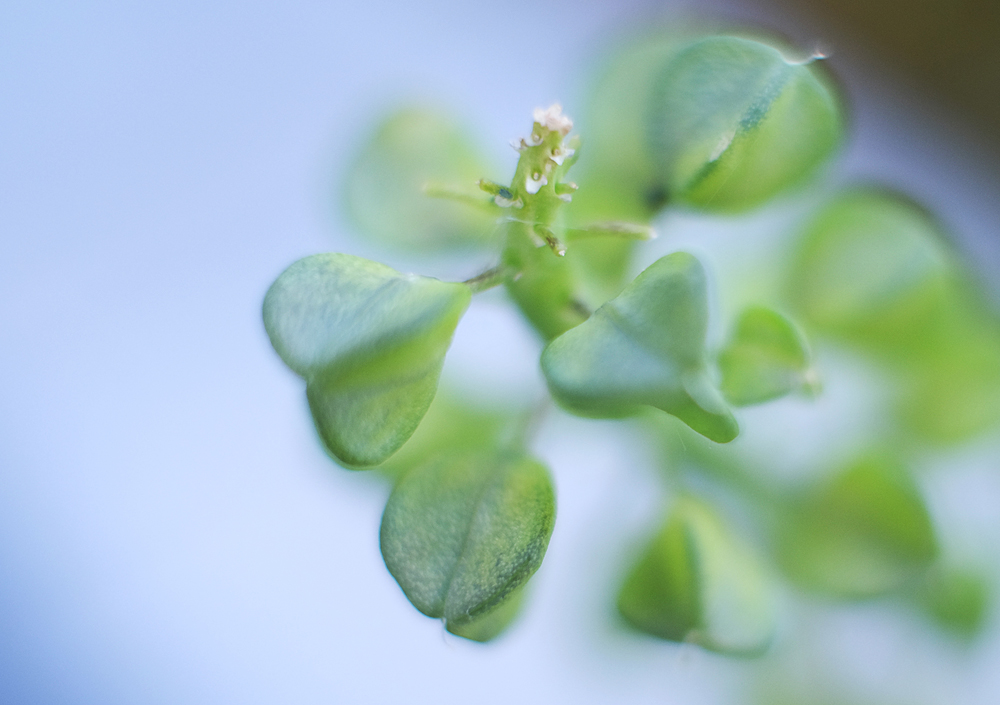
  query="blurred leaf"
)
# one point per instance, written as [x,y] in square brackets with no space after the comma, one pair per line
[957,600]
[951,389]
[864,533]
[492,624]
[619,177]
[451,425]
[385,187]
[766,358]
[873,268]
[462,532]
[645,347]
[698,583]
[733,123]
[369,342]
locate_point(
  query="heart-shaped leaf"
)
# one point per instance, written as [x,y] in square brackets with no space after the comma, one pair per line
[864,533]
[734,123]
[766,358]
[386,188]
[462,532]
[646,347]
[698,583]
[369,342]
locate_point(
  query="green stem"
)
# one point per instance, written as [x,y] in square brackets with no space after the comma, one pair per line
[489,279]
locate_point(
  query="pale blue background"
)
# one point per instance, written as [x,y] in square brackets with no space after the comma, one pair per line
[169,532]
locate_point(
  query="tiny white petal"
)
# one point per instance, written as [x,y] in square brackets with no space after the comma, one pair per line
[552,118]
[531,185]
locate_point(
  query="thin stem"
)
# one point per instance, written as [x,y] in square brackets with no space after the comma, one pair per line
[489,279]
[435,190]
[621,231]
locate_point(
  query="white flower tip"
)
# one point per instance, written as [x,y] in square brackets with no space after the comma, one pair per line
[552,118]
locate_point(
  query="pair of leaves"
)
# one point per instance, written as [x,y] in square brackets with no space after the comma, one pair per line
[864,533]
[370,343]
[462,533]
[696,582]
[646,347]
[733,123]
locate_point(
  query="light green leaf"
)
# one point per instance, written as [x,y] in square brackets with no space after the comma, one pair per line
[951,389]
[958,600]
[369,342]
[453,423]
[698,583]
[646,347]
[385,189]
[734,123]
[864,533]
[766,358]
[619,176]
[461,533]
[871,267]
[494,623]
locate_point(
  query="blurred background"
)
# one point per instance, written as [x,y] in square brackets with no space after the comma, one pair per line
[170,531]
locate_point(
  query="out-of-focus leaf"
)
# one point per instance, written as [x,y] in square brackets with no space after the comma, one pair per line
[864,533]
[453,424]
[369,342]
[873,268]
[619,176]
[462,532]
[734,122]
[492,624]
[385,188]
[646,347]
[766,358]
[698,583]
[951,387]
[957,600]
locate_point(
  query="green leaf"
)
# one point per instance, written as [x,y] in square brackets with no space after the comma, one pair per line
[951,389]
[453,424]
[492,624]
[696,582]
[461,533]
[864,533]
[369,342]
[734,123]
[766,358]
[646,347]
[958,600]
[619,176]
[872,268]
[385,189]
